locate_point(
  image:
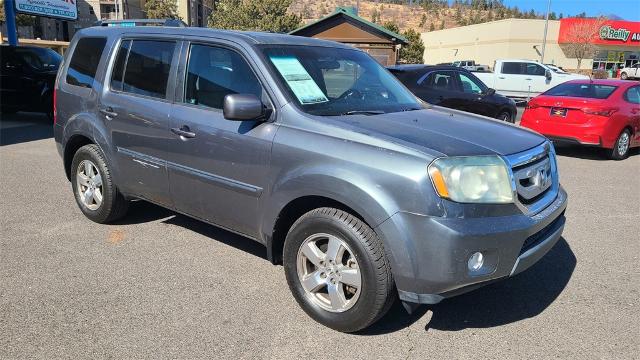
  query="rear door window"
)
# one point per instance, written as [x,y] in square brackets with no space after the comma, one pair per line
[633,95]
[142,67]
[516,68]
[593,91]
[84,61]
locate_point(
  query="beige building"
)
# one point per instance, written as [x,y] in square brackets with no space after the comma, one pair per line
[522,39]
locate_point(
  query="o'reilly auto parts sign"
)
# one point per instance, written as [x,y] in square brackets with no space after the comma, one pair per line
[59,9]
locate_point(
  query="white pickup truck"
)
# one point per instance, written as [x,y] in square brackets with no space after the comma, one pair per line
[523,78]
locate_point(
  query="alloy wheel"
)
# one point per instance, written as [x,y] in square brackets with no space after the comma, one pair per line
[328,272]
[89,185]
[623,143]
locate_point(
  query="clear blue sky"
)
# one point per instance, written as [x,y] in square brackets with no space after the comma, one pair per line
[626,9]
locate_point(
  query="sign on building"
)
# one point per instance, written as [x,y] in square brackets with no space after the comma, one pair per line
[58,9]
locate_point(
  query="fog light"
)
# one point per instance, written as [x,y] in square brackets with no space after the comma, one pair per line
[475,261]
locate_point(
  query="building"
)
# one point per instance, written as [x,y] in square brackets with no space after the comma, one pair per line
[345,26]
[617,43]
[195,12]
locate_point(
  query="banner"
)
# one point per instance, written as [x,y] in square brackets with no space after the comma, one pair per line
[58,9]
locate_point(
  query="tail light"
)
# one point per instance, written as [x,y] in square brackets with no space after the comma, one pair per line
[600,111]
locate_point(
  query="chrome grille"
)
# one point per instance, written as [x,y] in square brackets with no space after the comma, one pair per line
[534,177]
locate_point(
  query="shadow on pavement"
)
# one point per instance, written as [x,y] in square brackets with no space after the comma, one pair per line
[523,296]
[143,212]
[589,152]
[23,127]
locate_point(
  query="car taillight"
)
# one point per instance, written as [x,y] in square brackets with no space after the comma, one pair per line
[600,111]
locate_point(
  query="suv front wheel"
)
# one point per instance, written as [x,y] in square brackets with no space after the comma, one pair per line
[337,270]
[93,187]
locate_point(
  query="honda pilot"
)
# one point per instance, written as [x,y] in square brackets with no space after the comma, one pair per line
[364,193]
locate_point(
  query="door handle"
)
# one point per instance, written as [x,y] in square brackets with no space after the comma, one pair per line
[184,132]
[108,112]
[501,77]
[528,79]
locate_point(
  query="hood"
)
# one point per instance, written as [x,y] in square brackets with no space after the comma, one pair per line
[449,132]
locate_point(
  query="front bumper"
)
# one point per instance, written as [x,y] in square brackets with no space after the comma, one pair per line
[429,254]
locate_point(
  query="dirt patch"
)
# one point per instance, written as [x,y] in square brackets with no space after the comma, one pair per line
[116,236]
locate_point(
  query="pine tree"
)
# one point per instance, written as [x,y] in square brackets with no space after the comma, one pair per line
[265,15]
[413,52]
[161,9]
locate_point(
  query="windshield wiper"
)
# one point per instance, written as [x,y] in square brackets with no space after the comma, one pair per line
[411,109]
[363,112]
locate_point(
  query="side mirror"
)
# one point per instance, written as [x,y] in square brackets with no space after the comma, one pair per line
[489,92]
[547,74]
[241,107]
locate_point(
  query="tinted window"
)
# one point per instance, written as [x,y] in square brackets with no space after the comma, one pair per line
[84,61]
[594,91]
[40,59]
[147,67]
[535,69]
[440,80]
[118,68]
[470,86]
[513,68]
[633,95]
[215,72]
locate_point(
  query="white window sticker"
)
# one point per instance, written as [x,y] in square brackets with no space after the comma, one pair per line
[299,80]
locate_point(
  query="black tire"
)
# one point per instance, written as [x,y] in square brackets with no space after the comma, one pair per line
[505,115]
[377,292]
[624,76]
[617,153]
[114,205]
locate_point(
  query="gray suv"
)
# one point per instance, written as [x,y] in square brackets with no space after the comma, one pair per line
[363,192]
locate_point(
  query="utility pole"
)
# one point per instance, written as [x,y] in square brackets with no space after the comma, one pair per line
[546,26]
[10,18]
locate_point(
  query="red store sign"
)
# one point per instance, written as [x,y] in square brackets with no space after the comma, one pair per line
[613,32]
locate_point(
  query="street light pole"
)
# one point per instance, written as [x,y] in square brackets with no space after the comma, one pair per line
[546,26]
[10,18]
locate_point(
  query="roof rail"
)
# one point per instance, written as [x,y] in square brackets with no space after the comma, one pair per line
[141,22]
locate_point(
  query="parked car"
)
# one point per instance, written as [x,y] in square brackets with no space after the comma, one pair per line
[470,65]
[313,149]
[455,88]
[27,75]
[523,78]
[631,72]
[604,113]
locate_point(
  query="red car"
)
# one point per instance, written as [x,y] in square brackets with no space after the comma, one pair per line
[604,113]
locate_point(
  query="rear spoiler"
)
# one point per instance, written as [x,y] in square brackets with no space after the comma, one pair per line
[142,22]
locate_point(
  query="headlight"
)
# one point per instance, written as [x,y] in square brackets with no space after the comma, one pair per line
[474,179]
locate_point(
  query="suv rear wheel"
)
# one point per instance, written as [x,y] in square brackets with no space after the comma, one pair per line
[94,190]
[337,270]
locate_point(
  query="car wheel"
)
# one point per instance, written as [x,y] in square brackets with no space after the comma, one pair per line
[621,147]
[505,116]
[337,270]
[93,187]
[623,76]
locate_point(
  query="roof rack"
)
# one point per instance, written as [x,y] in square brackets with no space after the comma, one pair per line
[141,22]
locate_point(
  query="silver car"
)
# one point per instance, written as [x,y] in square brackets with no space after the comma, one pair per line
[364,193]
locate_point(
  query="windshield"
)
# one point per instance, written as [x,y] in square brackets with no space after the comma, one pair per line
[39,58]
[333,81]
[593,91]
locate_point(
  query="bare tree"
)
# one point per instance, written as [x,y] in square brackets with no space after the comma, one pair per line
[580,37]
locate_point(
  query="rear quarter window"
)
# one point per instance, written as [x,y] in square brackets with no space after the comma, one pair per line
[84,61]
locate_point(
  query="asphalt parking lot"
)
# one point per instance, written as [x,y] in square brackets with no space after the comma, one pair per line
[160,285]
